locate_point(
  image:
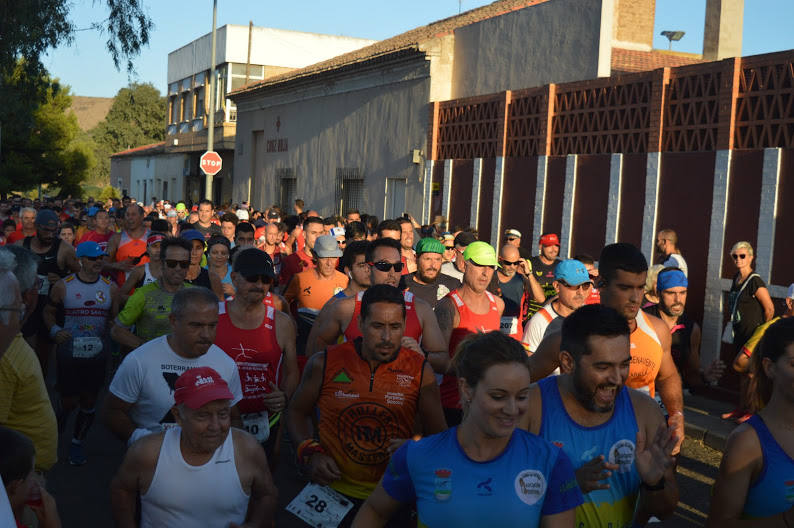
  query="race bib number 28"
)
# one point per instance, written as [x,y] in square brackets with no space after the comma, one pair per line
[320,506]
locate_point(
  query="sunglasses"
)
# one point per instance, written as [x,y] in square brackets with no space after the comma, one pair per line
[737,256]
[384,266]
[449,248]
[509,263]
[510,239]
[264,279]
[174,263]
[584,286]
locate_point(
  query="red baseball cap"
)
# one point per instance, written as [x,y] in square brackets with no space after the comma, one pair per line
[549,240]
[199,386]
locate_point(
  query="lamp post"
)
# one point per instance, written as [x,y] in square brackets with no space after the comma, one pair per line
[672,36]
[211,131]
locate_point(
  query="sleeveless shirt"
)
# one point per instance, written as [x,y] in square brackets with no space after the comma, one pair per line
[413,328]
[256,352]
[130,248]
[646,356]
[360,409]
[86,306]
[680,338]
[470,323]
[772,492]
[615,439]
[48,263]
[183,495]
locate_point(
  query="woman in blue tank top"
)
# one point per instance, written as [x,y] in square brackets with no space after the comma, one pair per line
[755,487]
[486,471]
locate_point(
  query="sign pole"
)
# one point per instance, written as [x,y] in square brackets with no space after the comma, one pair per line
[211,130]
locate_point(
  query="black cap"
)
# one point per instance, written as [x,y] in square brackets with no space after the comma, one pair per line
[252,261]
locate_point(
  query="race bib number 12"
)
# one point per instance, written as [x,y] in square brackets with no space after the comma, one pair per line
[320,506]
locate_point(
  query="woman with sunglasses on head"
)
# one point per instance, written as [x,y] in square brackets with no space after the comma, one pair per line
[750,306]
[218,250]
[755,484]
[485,471]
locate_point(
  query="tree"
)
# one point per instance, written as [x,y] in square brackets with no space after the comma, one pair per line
[136,118]
[40,140]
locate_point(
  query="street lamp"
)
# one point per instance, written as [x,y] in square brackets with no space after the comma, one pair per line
[673,36]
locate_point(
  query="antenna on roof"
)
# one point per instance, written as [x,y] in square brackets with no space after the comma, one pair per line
[460,6]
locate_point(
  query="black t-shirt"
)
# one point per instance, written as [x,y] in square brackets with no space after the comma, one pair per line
[511,293]
[681,338]
[749,312]
[430,293]
[544,273]
[208,232]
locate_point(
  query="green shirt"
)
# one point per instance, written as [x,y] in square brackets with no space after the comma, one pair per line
[148,309]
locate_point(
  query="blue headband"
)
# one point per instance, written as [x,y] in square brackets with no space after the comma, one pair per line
[671,279]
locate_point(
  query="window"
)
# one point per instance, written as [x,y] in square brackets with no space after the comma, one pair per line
[288,188]
[182,115]
[349,190]
[199,102]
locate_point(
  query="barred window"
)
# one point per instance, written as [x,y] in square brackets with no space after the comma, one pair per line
[349,189]
[288,187]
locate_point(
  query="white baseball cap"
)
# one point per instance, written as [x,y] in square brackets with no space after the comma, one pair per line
[790,292]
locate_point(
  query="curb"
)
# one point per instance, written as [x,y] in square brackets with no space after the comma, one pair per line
[703,423]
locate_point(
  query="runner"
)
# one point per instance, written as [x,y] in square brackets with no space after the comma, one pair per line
[367,394]
[88,303]
[670,256]
[754,486]
[261,340]
[204,224]
[515,284]
[354,265]
[309,290]
[149,272]
[616,437]
[26,227]
[182,476]
[484,472]
[407,244]
[141,394]
[513,237]
[589,264]
[219,264]
[455,267]
[427,282]
[101,233]
[622,281]
[302,259]
[272,245]
[229,223]
[243,236]
[341,318]
[128,248]
[572,284]
[147,310]
[197,275]
[467,310]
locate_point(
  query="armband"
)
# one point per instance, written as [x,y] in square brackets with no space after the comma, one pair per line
[54,329]
[307,448]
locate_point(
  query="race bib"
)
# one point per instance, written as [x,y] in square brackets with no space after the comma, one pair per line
[86,347]
[320,506]
[258,425]
[45,285]
[508,325]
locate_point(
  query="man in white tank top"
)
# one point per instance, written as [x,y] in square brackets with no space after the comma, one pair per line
[200,472]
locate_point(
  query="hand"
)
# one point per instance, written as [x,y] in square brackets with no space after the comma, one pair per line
[525,268]
[62,336]
[125,265]
[47,512]
[715,371]
[411,344]
[52,278]
[275,400]
[228,288]
[395,444]
[590,475]
[323,470]
[676,422]
[653,460]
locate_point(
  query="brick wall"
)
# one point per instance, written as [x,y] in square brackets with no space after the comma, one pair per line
[634,22]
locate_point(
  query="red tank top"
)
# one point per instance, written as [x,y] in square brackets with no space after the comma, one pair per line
[268,300]
[413,328]
[470,323]
[257,354]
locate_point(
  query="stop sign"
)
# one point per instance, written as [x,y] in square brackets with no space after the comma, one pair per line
[210,163]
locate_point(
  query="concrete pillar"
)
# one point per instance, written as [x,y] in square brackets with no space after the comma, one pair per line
[770,181]
[446,189]
[712,304]
[613,203]
[496,210]
[722,32]
[540,200]
[568,200]
[427,192]
[474,214]
[652,174]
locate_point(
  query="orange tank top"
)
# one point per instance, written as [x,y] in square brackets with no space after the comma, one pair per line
[361,409]
[470,323]
[131,248]
[413,328]
[646,356]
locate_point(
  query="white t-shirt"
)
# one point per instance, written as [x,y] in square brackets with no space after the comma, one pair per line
[448,268]
[675,260]
[536,327]
[147,375]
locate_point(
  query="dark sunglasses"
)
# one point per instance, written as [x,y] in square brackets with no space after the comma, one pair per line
[264,279]
[382,265]
[510,239]
[94,259]
[174,263]
[509,263]
[737,257]
[584,286]
[449,248]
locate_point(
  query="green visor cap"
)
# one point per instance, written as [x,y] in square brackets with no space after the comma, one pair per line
[429,245]
[481,253]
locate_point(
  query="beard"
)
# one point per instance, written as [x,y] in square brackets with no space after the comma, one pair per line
[587,397]
[674,310]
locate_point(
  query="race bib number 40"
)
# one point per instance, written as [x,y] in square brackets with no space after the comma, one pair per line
[320,506]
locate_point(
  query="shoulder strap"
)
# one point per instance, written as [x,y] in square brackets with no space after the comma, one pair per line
[744,285]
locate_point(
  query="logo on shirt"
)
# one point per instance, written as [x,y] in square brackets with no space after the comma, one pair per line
[338,289]
[349,395]
[530,486]
[789,490]
[442,485]
[622,454]
[100,296]
[342,377]
[404,380]
[484,488]
[395,398]
[364,431]
[441,292]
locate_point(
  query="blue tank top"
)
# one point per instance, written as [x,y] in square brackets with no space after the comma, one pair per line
[340,295]
[529,479]
[773,491]
[615,439]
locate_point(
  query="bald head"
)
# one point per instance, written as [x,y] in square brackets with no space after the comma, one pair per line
[509,259]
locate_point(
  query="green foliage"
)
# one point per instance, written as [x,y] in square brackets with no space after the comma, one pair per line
[109,192]
[136,118]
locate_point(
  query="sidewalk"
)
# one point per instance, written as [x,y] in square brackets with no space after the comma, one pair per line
[703,422]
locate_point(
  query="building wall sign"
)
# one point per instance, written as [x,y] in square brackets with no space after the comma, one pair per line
[277,144]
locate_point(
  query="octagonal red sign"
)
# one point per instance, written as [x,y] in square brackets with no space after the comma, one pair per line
[210,162]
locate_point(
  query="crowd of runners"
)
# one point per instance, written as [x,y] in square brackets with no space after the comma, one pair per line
[412,374]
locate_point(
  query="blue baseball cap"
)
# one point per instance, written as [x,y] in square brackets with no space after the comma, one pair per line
[673,278]
[47,218]
[92,211]
[192,234]
[89,249]
[572,272]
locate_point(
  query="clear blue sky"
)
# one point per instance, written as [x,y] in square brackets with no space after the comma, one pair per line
[87,68]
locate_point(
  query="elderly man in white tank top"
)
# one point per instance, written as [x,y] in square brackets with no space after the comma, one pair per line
[199,473]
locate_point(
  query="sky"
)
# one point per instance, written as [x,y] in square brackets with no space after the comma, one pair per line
[86,65]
